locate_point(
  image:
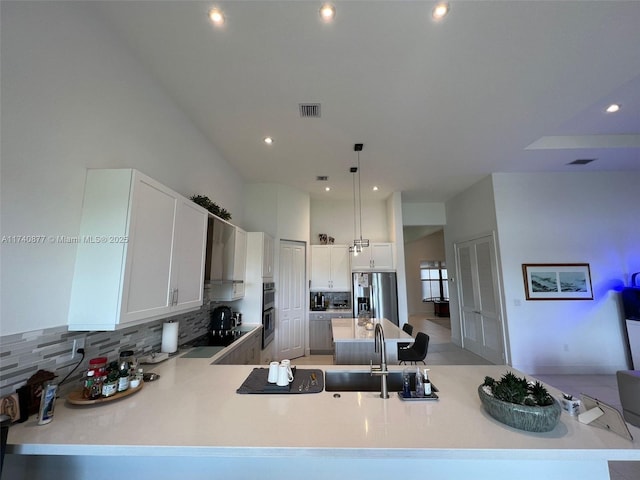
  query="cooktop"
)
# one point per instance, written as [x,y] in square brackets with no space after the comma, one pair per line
[220,339]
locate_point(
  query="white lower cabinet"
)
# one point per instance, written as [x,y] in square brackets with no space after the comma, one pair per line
[320,333]
[141,251]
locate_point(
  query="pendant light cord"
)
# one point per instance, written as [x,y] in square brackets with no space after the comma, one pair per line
[355,220]
[359,197]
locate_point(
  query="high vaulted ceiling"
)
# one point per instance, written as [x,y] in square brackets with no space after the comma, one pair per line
[436,105]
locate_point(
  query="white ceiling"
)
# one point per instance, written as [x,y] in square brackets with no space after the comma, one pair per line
[437,105]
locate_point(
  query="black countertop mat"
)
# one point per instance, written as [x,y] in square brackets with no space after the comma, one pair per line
[256,382]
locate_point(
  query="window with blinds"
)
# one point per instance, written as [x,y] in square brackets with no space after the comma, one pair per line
[435,285]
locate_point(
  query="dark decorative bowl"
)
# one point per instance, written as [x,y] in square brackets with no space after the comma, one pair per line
[523,417]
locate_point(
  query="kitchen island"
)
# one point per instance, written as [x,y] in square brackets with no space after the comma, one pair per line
[192,424]
[354,344]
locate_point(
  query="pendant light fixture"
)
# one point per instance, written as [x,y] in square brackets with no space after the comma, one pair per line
[354,248]
[358,242]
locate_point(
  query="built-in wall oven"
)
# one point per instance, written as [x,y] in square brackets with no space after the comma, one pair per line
[268,313]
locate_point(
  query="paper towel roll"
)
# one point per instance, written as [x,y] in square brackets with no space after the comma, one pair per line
[169,337]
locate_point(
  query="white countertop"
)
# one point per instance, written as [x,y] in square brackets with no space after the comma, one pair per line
[333,310]
[193,410]
[348,330]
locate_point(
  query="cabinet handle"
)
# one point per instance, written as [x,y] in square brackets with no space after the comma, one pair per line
[175,297]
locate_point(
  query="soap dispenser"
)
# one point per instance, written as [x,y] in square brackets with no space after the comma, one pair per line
[419,383]
[427,383]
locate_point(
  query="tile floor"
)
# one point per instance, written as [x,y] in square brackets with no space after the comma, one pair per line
[443,352]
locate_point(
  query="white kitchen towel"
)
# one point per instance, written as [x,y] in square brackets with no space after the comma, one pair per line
[169,337]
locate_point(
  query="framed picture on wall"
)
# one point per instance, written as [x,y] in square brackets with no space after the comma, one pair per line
[557,281]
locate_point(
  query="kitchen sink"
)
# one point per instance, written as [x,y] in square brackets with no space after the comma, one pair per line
[362,381]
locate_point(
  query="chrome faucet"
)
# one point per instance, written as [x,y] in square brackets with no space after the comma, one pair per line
[382,369]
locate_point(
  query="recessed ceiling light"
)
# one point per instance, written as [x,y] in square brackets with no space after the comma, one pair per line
[613,108]
[440,11]
[216,16]
[327,12]
[268,140]
[375,188]
[327,189]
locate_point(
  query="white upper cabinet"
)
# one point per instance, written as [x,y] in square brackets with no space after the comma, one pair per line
[267,256]
[259,269]
[330,268]
[226,260]
[140,253]
[378,256]
[239,263]
[191,236]
[260,252]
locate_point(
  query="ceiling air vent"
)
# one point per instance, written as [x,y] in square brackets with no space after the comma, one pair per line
[309,110]
[581,161]
[322,178]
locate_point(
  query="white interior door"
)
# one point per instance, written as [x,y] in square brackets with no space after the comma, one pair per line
[478,294]
[290,310]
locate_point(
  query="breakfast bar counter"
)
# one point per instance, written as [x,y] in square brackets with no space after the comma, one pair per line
[354,343]
[192,424]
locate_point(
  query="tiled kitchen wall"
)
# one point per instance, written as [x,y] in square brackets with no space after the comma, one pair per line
[23,354]
[331,298]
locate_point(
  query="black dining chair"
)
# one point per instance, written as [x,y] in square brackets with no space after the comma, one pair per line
[408,329]
[417,352]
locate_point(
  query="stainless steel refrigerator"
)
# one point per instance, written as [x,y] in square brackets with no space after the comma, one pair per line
[377,294]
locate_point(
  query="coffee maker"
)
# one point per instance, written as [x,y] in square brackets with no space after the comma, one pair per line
[318,301]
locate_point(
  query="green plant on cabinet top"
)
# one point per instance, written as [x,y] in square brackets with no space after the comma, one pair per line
[206,202]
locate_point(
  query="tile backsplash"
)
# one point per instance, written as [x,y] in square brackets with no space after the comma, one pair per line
[331,299]
[23,354]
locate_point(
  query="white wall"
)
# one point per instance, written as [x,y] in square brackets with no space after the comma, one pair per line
[294,214]
[279,210]
[394,213]
[568,218]
[470,214]
[335,218]
[260,214]
[74,98]
[430,247]
[420,214]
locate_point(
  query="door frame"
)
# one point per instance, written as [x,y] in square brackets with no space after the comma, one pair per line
[304,296]
[499,293]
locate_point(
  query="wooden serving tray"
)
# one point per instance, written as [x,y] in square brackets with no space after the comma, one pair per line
[75,398]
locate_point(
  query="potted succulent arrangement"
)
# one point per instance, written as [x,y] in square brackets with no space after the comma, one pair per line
[518,403]
[211,206]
